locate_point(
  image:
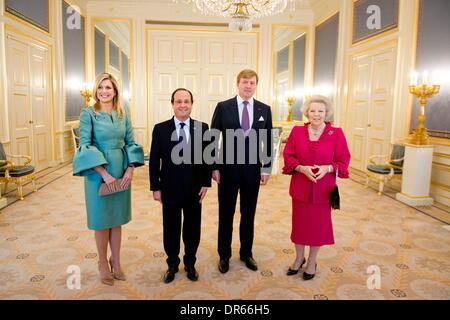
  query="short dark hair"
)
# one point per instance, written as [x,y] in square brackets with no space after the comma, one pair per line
[181,89]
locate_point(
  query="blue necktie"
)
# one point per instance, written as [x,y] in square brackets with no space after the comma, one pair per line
[182,134]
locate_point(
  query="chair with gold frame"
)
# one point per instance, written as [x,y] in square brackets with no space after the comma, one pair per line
[75,130]
[385,167]
[19,174]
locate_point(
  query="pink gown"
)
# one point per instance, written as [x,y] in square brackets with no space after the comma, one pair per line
[311,210]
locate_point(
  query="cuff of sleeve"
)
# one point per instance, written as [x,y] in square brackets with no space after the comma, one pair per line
[86,158]
[289,169]
[135,155]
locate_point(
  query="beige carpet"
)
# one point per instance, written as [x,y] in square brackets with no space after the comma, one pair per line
[46,233]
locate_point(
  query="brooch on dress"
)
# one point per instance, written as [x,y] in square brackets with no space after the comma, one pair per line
[330,132]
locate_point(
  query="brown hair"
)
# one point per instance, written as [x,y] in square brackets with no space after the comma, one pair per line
[116,101]
[247,74]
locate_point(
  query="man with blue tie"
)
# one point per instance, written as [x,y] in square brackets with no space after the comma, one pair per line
[242,166]
[179,179]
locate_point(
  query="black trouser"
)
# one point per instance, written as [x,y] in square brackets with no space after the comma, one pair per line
[172,232]
[245,180]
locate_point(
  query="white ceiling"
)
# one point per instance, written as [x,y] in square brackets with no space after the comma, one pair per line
[321,8]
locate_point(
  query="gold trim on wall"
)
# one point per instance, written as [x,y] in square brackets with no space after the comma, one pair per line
[316,26]
[441,155]
[413,66]
[63,67]
[273,56]
[382,32]
[11,28]
[438,185]
[441,166]
[28,22]
[106,58]
[189,23]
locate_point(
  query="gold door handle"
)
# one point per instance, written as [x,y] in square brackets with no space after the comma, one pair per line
[369,125]
[30,122]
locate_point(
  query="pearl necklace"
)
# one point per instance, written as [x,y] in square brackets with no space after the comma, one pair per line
[317,132]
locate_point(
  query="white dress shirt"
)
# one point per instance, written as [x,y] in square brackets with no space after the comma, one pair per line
[186,127]
[249,108]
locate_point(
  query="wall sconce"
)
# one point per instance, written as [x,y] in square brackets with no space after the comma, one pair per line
[86,92]
[290,100]
[423,91]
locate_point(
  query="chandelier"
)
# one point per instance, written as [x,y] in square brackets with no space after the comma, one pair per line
[241,12]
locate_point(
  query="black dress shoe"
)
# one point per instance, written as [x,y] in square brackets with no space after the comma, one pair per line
[250,263]
[170,275]
[291,272]
[224,265]
[308,276]
[192,274]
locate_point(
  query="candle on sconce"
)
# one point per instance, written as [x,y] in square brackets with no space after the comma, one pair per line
[425,77]
[414,78]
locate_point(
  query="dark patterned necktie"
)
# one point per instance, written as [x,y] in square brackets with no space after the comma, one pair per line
[182,133]
[245,123]
[182,137]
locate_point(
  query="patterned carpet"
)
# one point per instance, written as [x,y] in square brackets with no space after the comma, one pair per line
[46,233]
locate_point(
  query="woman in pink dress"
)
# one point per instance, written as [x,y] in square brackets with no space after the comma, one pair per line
[312,155]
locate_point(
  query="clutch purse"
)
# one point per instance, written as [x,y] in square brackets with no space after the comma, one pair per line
[335,199]
[104,191]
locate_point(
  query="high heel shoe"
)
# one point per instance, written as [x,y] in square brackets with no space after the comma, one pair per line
[105,276]
[291,272]
[117,274]
[308,276]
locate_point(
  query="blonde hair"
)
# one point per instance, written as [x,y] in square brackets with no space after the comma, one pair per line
[246,74]
[317,99]
[116,100]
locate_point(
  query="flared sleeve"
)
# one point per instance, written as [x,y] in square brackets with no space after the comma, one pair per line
[290,158]
[87,155]
[134,152]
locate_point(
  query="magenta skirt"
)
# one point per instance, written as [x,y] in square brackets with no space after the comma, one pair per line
[311,224]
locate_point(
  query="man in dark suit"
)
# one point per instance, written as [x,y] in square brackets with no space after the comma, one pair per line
[179,180]
[244,168]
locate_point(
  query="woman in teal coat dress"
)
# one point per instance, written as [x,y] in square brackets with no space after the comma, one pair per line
[106,153]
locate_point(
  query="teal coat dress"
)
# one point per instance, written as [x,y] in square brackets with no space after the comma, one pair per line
[105,141]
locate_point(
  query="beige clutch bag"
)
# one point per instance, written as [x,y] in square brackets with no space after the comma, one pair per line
[104,191]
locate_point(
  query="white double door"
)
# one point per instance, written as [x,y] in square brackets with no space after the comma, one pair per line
[29,99]
[206,63]
[370,105]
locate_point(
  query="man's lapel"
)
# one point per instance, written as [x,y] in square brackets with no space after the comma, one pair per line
[257,114]
[235,113]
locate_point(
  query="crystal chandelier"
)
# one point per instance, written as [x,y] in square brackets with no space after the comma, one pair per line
[241,12]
